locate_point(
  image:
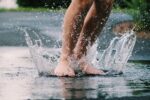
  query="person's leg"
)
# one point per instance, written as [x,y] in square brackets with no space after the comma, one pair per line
[93,24]
[73,22]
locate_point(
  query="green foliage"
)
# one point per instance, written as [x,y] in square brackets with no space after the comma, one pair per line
[141,8]
[145,15]
[134,4]
[144,12]
[142,17]
[130,4]
[44,3]
[29,9]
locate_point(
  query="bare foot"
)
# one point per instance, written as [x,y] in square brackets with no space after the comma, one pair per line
[89,69]
[64,69]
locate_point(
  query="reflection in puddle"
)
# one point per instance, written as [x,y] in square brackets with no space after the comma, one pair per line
[21,81]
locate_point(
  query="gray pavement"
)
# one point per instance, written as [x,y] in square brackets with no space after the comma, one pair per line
[48,25]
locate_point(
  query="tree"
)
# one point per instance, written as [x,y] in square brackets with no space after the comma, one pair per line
[145,15]
[44,3]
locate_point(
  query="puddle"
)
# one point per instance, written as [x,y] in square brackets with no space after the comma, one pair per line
[20,75]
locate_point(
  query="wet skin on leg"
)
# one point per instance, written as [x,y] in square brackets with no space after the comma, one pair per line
[83,20]
[93,24]
[73,22]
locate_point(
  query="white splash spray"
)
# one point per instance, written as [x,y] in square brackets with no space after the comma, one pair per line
[114,58]
[117,54]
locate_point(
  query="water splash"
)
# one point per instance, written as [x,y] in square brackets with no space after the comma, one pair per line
[114,58]
[45,58]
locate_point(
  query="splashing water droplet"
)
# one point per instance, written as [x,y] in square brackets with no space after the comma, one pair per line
[117,54]
[113,58]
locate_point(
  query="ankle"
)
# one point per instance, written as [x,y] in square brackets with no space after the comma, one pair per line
[65,57]
[83,63]
[77,55]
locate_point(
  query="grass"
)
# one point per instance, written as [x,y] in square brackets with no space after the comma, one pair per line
[27,9]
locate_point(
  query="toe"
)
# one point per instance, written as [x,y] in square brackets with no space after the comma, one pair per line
[71,74]
[101,72]
[58,73]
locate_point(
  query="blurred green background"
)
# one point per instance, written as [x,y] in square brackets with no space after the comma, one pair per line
[44,3]
[139,9]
